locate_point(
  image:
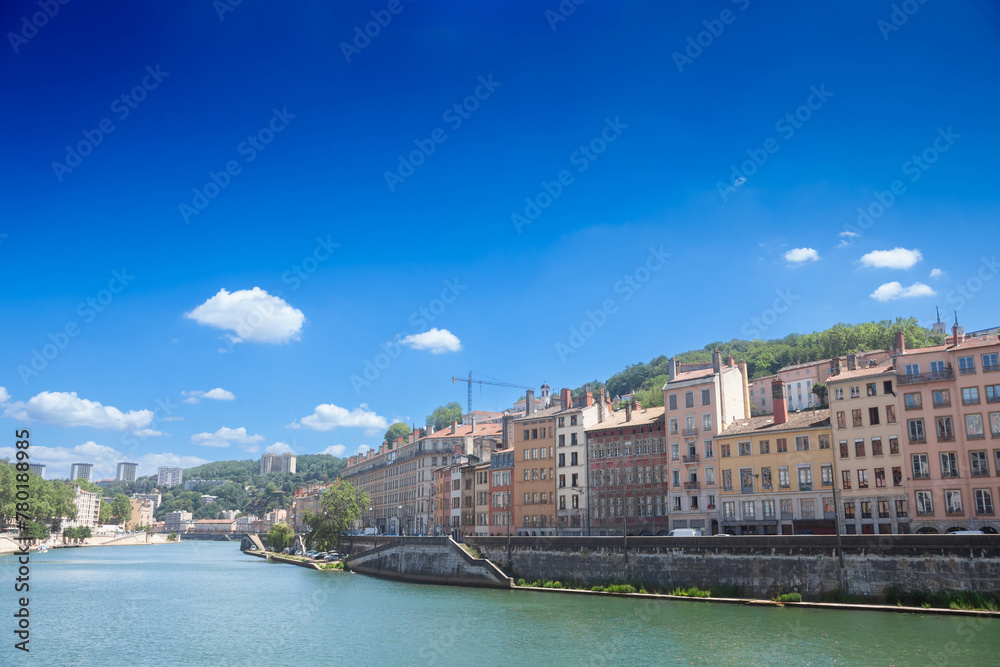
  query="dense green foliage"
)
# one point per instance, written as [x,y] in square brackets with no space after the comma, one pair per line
[766,357]
[280,537]
[341,507]
[944,599]
[77,533]
[50,500]
[397,429]
[444,415]
[121,509]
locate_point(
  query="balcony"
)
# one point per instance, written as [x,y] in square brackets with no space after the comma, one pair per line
[975,436]
[990,369]
[691,486]
[980,473]
[901,515]
[920,378]
[993,399]
[949,474]
[942,404]
[746,489]
[918,441]
[967,371]
[786,516]
[921,475]
[827,482]
[690,458]
[805,487]
[689,432]
[946,437]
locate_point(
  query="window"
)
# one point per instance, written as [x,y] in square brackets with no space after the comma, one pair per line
[527,475]
[746,480]
[706,422]
[856,419]
[970,396]
[925,505]
[901,508]
[562,481]
[802,443]
[843,449]
[710,476]
[828,507]
[873,416]
[688,399]
[765,478]
[880,478]
[672,401]
[826,474]
[748,510]
[724,450]
[855,391]
[974,427]
[893,445]
[575,480]
[675,451]
[562,460]
[897,476]
[949,464]
[845,478]
[993,393]
[673,426]
[768,507]
[765,446]
[562,438]
[859,447]
[534,473]
[708,449]
[912,401]
[534,453]
[841,419]
[966,365]
[916,429]
[838,394]
[677,504]
[921,469]
[942,398]
[863,478]
[953,501]
[783,477]
[876,446]
[729,510]
[576,501]
[534,434]
[995,426]
[786,509]
[945,432]
[745,449]
[572,420]
[984,501]
[870,389]
[866,509]
[824,441]
[574,459]
[727,480]
[527,435]
[912,369]
[782,445]
[990,362]
[883,509]
[890,414]
[848,510]
[562,421]
[980,464]
[706,397]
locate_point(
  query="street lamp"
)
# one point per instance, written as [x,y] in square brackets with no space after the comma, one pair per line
[399,521]
[374,526]
[581,492]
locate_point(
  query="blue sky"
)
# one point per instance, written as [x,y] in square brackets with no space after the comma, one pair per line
[205,268]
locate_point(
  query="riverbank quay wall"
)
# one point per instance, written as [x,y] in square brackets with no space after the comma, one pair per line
[10,545]
[760,566]
[433,560]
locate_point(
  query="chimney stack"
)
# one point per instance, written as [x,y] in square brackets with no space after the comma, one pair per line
[454,426]
[473,424]
[567,398]
[588,396]
[835,366]
[716,361]
[601,402]
[628,412]
[778,400]
[399,441]
[852,362]
[954,333]
[900,342]
[671,368]
[529,402]
[638,405]
[730,362]
[746,389]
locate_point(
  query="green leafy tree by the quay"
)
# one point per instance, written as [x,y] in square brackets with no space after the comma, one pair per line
[280,537]
[444,415]
[121,509]
[340,508]
[396,430]
[172,537]
[8,500]
[820,390]
[104,513]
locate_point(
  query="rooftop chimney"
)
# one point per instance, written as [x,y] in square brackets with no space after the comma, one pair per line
[454,426]
[730,361]
[900,343]
[601,400]
[473,430]
[529,402]
[835,366]
[628,412]
[746,389]
[638,405]
[567,398]
[956,336]
[588,396]
[716,361]
[778,400]
[399,441]
[852,362]
[672,368]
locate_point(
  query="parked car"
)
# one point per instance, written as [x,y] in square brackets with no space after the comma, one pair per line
[298,552]
[333,555]
[684,532]
[286,551]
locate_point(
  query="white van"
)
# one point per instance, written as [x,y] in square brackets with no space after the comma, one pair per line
[684,532]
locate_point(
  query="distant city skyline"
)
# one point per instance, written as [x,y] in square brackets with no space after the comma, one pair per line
[216,249]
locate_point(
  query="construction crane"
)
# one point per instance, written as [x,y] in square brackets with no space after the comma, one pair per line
[482,382]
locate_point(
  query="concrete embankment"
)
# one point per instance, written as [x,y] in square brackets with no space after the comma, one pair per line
[435,560]
[9,545]
[759,566]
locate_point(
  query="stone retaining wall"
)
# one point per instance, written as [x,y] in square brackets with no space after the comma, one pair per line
[437,560]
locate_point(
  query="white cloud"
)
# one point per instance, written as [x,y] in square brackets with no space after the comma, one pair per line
[438,341]
[935,273]
[224,437]
[847,238]
[897,258]
[329,416]
[801,255]
[334,450]
[362,449]
[105,459]
[4,396]
[67,409]
[218,394]
[252,315]
[279,448]
[892,291]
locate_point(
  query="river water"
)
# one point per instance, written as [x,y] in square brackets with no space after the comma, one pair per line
[205,603]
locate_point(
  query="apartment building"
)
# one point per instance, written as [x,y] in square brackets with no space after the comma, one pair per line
[776,473]
[533,440]
[950,400]
[482,502]
[37,468]
[142,514]
[126,471]
[869,461]
[80,471]
[501,474]
[177,522]
[305,499]
[401,473]
[700,400]
[275,463]
[572,496]
[628,472]
[169,476]
[88,509]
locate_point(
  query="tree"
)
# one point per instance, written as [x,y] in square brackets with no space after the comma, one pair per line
[121,509]
[341,506]
[172,537]
[820,390]
[281,536]
[396,430]
[104,513]
[8,503]
[444,415]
